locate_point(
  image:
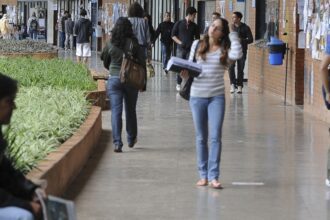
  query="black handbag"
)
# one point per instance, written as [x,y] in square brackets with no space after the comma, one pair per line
[185,91]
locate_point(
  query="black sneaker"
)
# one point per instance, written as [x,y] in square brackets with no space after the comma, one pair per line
[117,149]
[131,145]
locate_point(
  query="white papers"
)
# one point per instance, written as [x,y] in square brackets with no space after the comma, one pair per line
[58,208]
[55,208]
[177,64]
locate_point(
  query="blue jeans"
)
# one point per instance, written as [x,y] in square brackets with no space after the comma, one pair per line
[118,92]
[34,34]
[62,39]
[15,213]
[166,54]
[208,115]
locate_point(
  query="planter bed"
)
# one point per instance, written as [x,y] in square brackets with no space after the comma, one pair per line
[51,106]
[40,55]
[27,48]
[99,96]
[61,166]
[39,79]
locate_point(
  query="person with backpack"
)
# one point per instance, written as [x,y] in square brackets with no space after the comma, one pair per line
[83,30]
[33,27]
[119,93]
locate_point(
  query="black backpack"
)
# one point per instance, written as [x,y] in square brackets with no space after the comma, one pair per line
[34,25]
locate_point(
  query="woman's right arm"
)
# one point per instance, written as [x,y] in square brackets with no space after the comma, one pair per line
[193,50]
[235,51]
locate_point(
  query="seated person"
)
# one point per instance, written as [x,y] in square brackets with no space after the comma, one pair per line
[17,194]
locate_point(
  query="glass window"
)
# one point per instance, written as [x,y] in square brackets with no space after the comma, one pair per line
[267,17]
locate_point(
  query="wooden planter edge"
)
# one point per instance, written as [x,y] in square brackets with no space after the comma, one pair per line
[61,166]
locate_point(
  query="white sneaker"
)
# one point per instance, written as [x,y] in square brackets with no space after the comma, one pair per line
[239,89]
[178,87]
[232,88]
[327,182]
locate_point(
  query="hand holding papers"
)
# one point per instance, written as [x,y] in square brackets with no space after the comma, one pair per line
[55,208]
[177,64]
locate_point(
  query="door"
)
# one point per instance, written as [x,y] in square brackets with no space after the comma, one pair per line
[201,17]
[55,33]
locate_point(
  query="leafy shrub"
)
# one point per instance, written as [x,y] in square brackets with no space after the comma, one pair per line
[51,105]
[57,73]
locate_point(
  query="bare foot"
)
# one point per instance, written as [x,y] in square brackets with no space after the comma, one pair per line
[216,184]
[202,182]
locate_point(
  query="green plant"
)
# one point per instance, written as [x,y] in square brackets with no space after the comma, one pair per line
[57,73]
[51,105]
[44,119]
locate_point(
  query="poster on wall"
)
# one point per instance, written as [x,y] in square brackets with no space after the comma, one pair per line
[222,5]
[283,13]
[231,5]
[315,25]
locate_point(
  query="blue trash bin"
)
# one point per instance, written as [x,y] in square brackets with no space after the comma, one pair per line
[276,51]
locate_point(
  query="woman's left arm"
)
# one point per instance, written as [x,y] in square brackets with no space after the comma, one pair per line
[235,51]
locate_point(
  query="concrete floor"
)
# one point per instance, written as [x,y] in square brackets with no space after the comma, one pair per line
[277,147]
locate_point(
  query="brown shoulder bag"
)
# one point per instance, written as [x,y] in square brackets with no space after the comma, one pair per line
[131,72]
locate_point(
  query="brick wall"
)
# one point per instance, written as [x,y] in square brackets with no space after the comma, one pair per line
[7,2]
[108,4]
[313,98]
[304,79]
[270,78]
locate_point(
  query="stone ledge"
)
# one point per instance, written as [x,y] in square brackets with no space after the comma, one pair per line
[99,74]
[99,97]
[61,166]
[40,56]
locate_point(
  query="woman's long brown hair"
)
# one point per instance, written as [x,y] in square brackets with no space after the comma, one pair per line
[223,42]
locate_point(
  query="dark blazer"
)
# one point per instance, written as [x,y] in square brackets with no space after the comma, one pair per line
[245,34]
[15,189]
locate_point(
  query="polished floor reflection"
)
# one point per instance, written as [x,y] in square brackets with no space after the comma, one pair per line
[273,163]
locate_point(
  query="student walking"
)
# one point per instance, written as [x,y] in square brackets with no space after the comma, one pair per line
[207,97]
[215,15]
[119,93]
[184,33]
[139,25]
[33,27]
[165,29]
[245,35]
[69,24]
[83,30]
